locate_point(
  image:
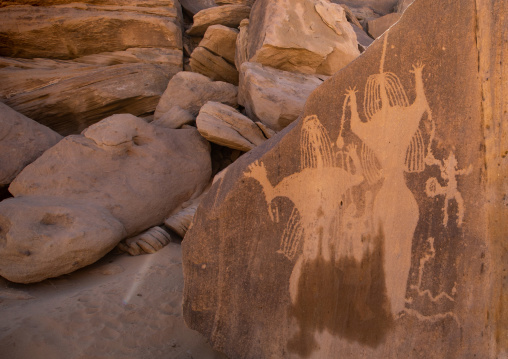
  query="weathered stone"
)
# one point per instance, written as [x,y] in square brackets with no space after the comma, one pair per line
[241,50]
[227,15]
[68,96]
[225,126]
[374,227]
[310,36]
[168,60]
[112,166]
[46,237]
[22,140]
[190,91]
[235,2]
[213,66]
[79,30]
[378,26]
[221,40]
[274,97]
[195,6]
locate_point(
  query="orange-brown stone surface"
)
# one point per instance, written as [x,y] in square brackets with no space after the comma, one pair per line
[372,227]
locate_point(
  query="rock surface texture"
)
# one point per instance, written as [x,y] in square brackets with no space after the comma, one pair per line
[310,36]
[375,226]
[274,97]
[107,170]
[69,96]
[72,31]
[22,140]
[118,57]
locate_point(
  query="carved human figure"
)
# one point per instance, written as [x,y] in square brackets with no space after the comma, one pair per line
[316,192]
[389,133]
[449,173]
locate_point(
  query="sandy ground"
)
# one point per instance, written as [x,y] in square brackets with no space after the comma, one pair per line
[120,307]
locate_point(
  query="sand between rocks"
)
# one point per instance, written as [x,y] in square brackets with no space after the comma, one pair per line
[119,307]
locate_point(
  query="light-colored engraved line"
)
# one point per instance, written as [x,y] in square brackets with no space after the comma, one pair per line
[395,87]
[371,170]
[292,236]
[431,254]
[415,160]
[315,144]
[430,318]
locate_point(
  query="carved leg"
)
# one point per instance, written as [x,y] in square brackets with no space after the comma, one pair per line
[461,210]
[445,210]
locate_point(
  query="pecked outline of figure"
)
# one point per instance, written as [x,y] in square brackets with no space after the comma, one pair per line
[316,191]
[392,144]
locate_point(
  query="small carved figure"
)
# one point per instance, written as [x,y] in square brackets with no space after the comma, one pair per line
[449,173]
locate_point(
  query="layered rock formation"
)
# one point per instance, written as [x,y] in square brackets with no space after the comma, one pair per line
[373,226]
[131,50]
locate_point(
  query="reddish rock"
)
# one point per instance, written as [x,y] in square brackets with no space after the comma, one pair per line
[375,226]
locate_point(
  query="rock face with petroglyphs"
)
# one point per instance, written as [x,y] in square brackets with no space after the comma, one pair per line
[372,226]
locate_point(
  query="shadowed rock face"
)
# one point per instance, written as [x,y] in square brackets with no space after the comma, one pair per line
[360,230]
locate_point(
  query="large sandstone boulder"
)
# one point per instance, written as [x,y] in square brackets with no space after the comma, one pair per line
[71,31]
[137,172]
[221,40]
[374,227]
[69,96]
[44,237]
[225,126]
[274,97]
[227,15]
[213,66]
[22,140]
[189,91]
[310,36]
